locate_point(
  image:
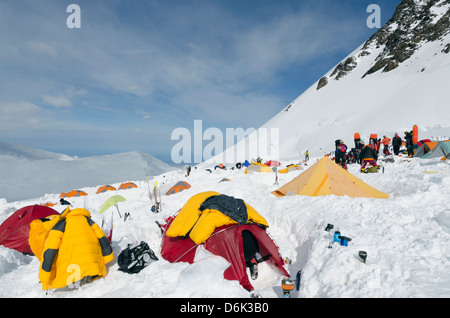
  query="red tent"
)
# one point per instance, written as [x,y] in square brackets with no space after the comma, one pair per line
[14,231]
[272,163]
[226,241]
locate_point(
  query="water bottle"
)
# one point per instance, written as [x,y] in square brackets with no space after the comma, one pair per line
[337,237]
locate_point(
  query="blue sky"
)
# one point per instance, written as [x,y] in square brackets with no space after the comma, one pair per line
[138,69]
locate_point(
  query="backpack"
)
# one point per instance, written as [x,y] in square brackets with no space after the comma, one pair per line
[133,259]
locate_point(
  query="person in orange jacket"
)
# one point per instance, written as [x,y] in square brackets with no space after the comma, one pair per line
[386,141]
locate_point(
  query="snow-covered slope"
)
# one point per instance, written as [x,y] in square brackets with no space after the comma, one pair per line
[28,173]
[397,79]
[406,238]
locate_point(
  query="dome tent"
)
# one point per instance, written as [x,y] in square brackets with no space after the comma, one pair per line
[178,187]
[325,178]
[105,188]
[127,185]
[14,231]
[73,193]
[221,236]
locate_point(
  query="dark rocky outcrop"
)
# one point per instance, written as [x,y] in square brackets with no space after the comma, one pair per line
[412,24]
[322,82]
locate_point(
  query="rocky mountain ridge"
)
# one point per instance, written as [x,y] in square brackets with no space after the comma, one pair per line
[414,22]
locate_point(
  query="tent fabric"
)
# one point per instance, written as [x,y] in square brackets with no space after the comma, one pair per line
[422,141]
[225,241]
[110,202]
[14,231]
[73,193]
[324,178]
[39,230]
[290,168]
[258,167]
[441,150]
[425,148]
[199,224]
[105,188]
[178,187]
[127,185]
[272,163]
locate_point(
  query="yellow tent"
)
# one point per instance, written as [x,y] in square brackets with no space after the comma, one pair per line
[258,167]
[326,177]
[290,168]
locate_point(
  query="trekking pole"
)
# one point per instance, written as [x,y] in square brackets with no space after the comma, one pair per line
[160,201]
[395,181]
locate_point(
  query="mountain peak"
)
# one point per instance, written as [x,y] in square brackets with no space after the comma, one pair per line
[414,23]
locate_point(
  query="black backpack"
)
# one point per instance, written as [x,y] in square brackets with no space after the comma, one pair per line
[133,259]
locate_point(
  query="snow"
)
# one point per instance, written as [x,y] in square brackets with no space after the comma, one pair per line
[415,93]
[33,173]
[406,238]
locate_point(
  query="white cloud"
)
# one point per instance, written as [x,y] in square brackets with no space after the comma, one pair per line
[15,115]
[57,101]
[184,59]
[42,47]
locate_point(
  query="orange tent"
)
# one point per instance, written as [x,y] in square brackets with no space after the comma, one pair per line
[105,188]
[73,193]
[180,186]
[127,185]
[49,204]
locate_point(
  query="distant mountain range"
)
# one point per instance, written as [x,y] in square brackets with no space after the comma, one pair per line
[30,173]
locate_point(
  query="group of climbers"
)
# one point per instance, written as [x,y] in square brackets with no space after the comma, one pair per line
[368,154]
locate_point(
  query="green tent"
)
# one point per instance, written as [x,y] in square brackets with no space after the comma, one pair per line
[441,150]
[110,202]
